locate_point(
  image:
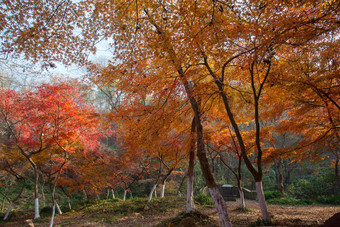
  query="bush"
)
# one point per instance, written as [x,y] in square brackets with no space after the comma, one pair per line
[204,200]
[332,199]
[312,188]
[269,195]
[290,201]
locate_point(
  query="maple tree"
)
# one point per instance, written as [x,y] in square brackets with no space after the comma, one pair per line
[52,120]
[173,54]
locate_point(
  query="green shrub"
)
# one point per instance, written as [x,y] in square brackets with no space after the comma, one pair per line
[332,199]
[290,201]
[272,195]
[204,200]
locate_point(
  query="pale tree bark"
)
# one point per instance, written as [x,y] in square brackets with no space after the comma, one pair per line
[155,192]
[85,195]
[16,198]
[58,207]
[190,204]
[124,195]
[69,203]
[151,192]
[262,201]
[108,193]
[113,194]
[162,189]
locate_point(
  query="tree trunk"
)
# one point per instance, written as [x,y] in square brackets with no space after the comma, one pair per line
[85,195]
[36,199]
[162,189]
[36,208]
[220,206]
[190,176]
[53,214]
[281,185]
[108,194]
[155,192]
[58,207]
[113,194]
[240,190]
[336,169]
[17,197]
[190,195]
[124,195]
[262,201]
[131,197]
[151,192]
[8,210]
[69,203]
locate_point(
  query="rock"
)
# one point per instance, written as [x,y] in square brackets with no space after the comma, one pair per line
[333,221]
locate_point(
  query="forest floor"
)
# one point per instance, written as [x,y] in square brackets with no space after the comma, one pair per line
[163,212]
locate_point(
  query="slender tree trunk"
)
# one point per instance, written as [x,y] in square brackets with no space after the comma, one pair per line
[53,214]
[43,193]
[113,194]
[131,197]
[336,170]
[190,175]
[8,210]
[85,195]
[151,192]
[262,201]
[162,189]
[36,199]
[180,185]
[281,185]
[15,199]
[58,207]
[155,192]
[69,203]
[4,198]
[240,190]
[124,196]
[108,193]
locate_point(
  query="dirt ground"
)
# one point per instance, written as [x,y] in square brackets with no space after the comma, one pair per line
[312,215]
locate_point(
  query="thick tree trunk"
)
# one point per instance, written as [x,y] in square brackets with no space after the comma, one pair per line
[162,189]
[262,201]
[220,206]
[151,192]
[8,210]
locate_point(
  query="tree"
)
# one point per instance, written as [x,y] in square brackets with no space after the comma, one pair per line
[49,120]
